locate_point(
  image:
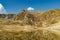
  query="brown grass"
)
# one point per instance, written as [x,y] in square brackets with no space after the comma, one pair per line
[19,30]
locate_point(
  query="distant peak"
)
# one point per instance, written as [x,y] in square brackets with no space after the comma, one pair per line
[57,9]
[2,9]
[1,6]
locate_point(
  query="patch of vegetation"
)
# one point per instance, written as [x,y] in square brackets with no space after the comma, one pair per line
[32,35]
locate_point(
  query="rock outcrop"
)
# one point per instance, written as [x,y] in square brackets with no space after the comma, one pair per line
[26,17]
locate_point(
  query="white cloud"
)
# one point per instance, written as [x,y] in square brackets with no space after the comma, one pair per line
[30,8]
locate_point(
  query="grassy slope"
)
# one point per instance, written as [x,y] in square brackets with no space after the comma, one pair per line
[11,31]
[17,32]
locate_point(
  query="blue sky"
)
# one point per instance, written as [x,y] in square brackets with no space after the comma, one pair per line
[15,6]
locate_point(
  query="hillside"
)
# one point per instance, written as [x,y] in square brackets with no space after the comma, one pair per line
[31,26]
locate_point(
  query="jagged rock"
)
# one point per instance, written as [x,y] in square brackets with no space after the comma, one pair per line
[26,17]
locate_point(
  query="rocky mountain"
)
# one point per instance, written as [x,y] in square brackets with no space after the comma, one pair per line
[26,17]
[38,19]
[3,13]
[2,9]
